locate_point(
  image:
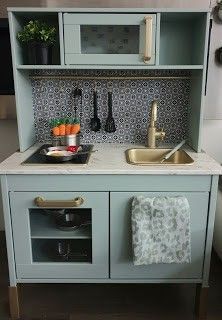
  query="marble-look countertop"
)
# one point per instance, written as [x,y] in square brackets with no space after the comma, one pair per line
[110,159]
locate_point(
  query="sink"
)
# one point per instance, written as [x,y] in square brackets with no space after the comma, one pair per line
[144,156]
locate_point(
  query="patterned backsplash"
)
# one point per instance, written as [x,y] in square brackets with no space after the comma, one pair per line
[53,98]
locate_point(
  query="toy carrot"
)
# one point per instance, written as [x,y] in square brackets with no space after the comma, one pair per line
[75,127]
[68,127]
[62,128]
[55,129]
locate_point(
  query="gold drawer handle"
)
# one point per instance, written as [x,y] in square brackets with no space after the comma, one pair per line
[148,38]
[40,202]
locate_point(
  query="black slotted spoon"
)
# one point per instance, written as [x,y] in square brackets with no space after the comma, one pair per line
[110,122]
[95,123]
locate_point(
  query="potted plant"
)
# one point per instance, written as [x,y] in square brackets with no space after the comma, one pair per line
[38,38]
[219,7]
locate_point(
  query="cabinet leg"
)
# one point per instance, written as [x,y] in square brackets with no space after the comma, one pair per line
[14,303]
[201,302]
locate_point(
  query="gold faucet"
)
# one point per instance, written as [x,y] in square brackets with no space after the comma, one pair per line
[153,132]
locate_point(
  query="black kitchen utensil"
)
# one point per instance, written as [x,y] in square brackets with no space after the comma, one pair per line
[95,123]
[53,212]
[70,221]
[77,93]
[110,122]
[63,250]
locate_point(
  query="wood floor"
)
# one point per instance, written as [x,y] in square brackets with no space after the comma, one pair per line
[109,302]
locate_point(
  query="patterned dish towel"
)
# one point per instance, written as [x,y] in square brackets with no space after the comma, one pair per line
[161,230]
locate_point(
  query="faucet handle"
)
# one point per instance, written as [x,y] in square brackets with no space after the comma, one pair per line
[162,134]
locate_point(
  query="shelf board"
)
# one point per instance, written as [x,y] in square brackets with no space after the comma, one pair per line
[76,9]
[43,227]
[141,67]
[188,67]
[38,67]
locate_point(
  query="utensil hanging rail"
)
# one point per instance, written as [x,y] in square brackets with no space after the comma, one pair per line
[70,77]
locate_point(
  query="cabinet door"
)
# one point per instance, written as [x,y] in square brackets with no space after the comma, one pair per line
[121,247]
[110,39]
[43,249]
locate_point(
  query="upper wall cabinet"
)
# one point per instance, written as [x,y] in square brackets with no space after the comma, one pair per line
[117,39]
[110,39]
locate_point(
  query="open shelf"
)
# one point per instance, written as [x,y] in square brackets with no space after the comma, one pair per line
[44,227]
[182,39]
[19,19]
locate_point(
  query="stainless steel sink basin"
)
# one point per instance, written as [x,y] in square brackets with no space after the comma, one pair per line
[144,156]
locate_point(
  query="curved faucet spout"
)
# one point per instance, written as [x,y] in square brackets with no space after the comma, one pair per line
[153,132]
[153,117]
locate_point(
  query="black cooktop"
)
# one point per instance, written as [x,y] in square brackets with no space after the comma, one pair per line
[37,159]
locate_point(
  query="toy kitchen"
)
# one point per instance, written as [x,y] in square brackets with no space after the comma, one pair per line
[97,192]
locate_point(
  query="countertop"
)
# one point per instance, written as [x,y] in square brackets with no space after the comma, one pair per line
[110,159]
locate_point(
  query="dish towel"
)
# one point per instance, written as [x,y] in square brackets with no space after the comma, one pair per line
[161,230]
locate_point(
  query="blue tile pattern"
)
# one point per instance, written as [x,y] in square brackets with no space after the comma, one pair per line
[52,98]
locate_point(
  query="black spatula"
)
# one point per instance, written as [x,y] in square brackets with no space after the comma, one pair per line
[95,123]
[110,122]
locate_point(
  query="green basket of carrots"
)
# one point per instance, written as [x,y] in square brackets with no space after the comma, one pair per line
[66,131]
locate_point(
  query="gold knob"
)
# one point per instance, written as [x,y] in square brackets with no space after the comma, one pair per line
[162,134]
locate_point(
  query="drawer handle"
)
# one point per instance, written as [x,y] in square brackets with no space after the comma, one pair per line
[148,38]
[41,202]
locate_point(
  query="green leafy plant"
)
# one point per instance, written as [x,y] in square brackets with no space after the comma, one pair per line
[219,3]
[37,31]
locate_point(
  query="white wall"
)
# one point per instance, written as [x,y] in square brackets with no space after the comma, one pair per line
[213,100]
[8,145]
[211,140]
[212,130]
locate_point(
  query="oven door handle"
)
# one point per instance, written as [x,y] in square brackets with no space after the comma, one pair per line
[42,203]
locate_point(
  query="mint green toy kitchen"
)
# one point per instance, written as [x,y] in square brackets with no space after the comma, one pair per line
[155,62]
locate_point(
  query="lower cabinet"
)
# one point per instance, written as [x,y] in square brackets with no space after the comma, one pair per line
[80,235]
[121,257]
[60,235]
